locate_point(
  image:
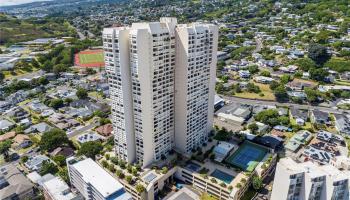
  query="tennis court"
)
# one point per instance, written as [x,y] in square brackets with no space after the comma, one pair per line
[248,156]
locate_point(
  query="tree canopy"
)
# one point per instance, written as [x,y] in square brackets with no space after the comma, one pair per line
[318,54]
[81,93]
[90,149]
[52,139]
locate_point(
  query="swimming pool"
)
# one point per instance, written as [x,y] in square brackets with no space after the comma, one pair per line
[226,178]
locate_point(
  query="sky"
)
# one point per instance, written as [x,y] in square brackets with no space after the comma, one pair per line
[16,2]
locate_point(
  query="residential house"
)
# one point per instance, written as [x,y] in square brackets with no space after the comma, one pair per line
[342,123]
[238,114]
[262,128]
[282,111]
[263,79]
[320,117]
[14,185]
[64,151]
[105,130]
[17,113]
[21,141]
[25,122]
[244,74]
[7,136]
[37,106]
[299,85]
[345,76]
[6,125]
[57,189]
[17,97]
[4,105]
[89,137]
[289,69]
[42,127]
[221,55]
[298,139]
[300,116]
[34,163]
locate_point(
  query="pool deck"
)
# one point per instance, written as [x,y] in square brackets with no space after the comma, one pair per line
[211,166]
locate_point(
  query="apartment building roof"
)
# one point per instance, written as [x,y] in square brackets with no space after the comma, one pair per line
[104,183]
[58,189]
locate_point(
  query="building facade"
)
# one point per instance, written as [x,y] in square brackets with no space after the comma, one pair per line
[297,181]
[196,48]
[143,62]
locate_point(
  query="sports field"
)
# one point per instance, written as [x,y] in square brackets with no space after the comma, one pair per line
[89,58]
[248,156]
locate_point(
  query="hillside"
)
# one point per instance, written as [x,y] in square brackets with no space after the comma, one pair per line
[13,30]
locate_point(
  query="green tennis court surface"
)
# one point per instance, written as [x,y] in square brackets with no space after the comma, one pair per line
[248,156]
[91,58]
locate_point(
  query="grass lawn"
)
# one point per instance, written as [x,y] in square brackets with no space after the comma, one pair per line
[22,151]
[96,95]
[17,72]
[306,126]
[2,159]
[91,58]
[289,135]
[265,89]
[339,82]
[35,138]
[206,196]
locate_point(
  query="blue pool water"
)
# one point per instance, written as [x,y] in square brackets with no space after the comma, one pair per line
[227,178]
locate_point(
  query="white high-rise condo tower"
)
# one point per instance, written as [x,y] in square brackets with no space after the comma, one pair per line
[294,181]
[196,48]
[161,78]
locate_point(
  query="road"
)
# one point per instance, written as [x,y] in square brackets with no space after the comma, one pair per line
[259,45]
[274,103]
[83,129]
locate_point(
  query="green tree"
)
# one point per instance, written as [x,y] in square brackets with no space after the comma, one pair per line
[57,69]
[5,147]
[90,71]
[35,63]
[140,188]
[56,103]
[257,183]
[60,160]
[48,167]
[128,179]
[305,64]
[52,139]
[312,95]
[164,170]
[253,69]
[253,127]
[281,93]
[265,73]
[318,74]
[2,77]
[318,54]
[120,174]
[63,173]
[90,149]
[82,93]
[266,115]
[285,78]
